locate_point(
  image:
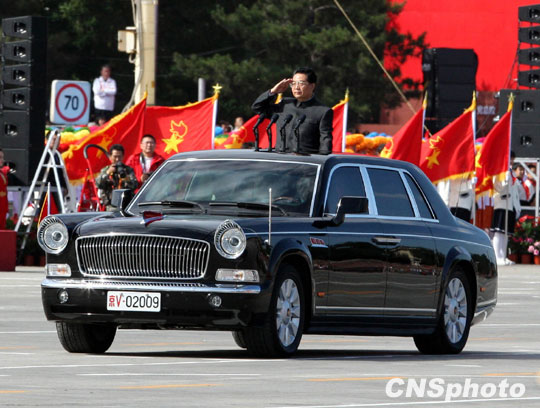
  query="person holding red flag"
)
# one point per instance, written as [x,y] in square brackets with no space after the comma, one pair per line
[147,161]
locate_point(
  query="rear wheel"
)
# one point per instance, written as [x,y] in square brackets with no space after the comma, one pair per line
[282,330]
[85,338]
[454,323]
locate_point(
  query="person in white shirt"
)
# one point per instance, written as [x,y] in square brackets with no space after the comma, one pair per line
[458,195]
[506,198]
[104,89]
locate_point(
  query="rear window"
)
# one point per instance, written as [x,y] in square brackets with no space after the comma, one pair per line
[391,196]
[421,203]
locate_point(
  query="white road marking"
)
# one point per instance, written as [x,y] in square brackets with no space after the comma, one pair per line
[29,332]
[208,361]
[168,375]
[22,354]
[509,324]
[463,365]
[395,404]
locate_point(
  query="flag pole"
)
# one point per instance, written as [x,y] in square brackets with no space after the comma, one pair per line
[217,89]
[509,171]
[473,181]
[345,117]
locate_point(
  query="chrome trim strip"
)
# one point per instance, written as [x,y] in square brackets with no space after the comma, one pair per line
[412,200]
[104,285]
[262,233]
[487,302]
[390,309]
[146,258]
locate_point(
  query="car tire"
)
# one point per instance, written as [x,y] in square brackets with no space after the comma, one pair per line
[282,330]
[454,324]
[239,339]
[85,338]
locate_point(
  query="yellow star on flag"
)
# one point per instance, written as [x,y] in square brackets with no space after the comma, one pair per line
[171,144]
[433,158]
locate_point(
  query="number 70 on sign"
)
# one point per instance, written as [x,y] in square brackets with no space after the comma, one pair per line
[70,102]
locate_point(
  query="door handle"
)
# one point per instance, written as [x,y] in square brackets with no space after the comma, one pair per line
[386,240]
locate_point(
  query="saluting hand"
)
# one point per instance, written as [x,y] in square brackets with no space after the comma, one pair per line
[281,86]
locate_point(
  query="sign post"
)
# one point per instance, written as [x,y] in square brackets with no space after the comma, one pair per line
[70,102]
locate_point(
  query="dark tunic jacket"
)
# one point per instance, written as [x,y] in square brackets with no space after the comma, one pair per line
[316,131]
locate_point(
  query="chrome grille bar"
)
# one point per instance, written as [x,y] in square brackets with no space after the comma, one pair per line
[142,256]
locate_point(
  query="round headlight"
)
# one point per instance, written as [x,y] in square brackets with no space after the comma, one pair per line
[230,240]
[52,235]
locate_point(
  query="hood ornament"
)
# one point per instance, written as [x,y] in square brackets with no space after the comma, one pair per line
[151,216]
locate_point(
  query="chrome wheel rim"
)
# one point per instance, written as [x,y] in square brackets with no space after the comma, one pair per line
[455,310]
[288,312]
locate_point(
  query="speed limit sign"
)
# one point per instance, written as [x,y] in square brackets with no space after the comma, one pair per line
[70,102]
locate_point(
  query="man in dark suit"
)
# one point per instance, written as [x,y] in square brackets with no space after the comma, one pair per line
[316,130]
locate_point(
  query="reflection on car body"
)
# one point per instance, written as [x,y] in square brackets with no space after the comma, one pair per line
[271,246]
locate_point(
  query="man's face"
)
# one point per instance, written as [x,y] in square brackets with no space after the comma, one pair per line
[301,88]
[116,156]
[519,171]
[148,146]
[106,72]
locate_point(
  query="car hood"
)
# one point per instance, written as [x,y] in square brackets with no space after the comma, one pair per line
[198,227]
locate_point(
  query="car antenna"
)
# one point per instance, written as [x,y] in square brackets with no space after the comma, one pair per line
[270,216]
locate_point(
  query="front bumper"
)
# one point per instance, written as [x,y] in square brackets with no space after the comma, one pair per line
[183,305]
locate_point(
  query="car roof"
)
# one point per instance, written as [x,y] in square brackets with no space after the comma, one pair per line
[330,159]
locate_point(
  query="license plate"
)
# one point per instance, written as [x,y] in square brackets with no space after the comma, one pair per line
[134,301]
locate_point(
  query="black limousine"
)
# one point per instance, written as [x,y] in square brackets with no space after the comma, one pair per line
[270,246]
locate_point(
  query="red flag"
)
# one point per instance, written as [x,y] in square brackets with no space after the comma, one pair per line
[47,208]
[407,142]
[449,153]
[339,124]
[181,128]
[492,161]
[245,134]
[125,129]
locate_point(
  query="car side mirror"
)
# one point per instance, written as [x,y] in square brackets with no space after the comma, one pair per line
[121,198]
[350,205]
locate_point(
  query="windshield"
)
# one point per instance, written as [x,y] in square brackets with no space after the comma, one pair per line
[216,183]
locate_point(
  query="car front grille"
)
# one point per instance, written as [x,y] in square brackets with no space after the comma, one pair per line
[142,256]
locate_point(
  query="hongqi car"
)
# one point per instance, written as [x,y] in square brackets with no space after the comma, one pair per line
[270,246]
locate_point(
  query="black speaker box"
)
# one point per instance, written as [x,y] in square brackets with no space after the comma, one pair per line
[450,80]
[530,13]
[529,56]
[16,98]
[25,27]
[24,75]
[526,139]
[24,162]
[526,105]
[24,51]
[22,130]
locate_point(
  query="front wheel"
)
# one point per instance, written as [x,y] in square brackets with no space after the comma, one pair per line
[454,323]
[282,331]
[85,338]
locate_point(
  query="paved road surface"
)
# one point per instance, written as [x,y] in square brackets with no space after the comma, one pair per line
[206,369]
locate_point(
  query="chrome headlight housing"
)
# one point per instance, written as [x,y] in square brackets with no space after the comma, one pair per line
[230,240]
[52,235]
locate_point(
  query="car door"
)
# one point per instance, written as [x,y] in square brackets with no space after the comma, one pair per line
[357,276]
[411,272]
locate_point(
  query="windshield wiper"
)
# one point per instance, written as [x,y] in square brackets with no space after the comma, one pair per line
[250,206]
[176,204]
